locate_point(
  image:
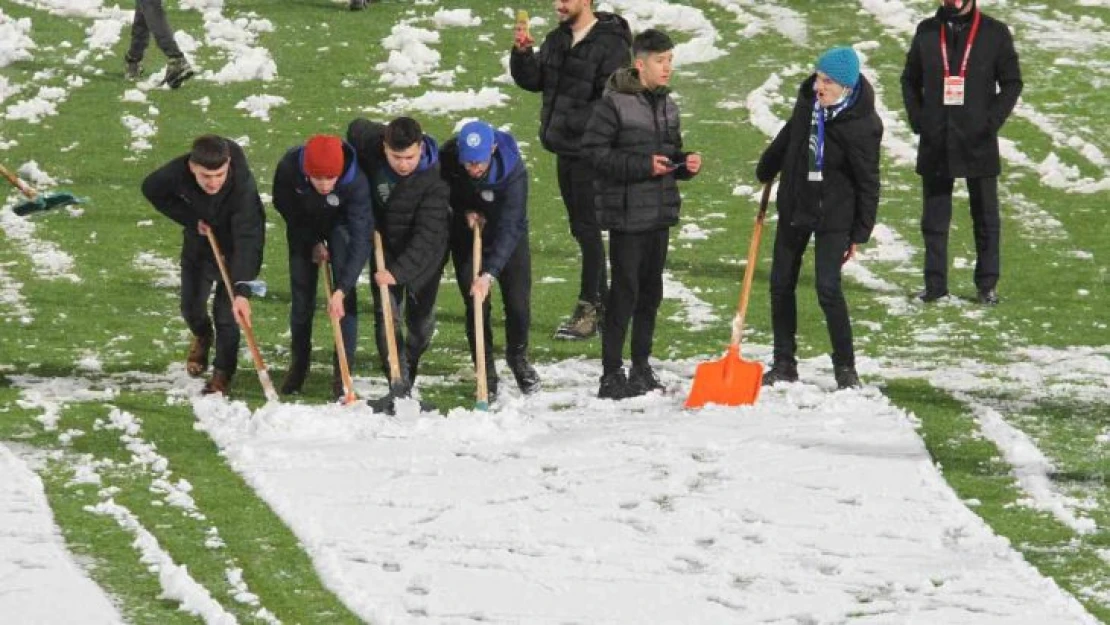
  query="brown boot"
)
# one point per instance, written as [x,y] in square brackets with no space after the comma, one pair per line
[196,363]
[218,383]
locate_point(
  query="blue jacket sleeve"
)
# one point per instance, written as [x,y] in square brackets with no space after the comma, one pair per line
[512,226]
[360,221]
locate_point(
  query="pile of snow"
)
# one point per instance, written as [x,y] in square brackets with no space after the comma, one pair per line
[15,41]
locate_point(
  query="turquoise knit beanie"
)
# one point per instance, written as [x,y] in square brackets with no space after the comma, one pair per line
[840,64]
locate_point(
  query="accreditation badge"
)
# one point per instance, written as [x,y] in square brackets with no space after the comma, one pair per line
[815,176]
[332,200]
[953,90]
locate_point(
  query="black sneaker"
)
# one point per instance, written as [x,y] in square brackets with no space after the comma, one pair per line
[642,380]
[294,379]
[846,377]
[988,297]
[781,371]
[614,385]
[178,71]
[527,380]
[928,296]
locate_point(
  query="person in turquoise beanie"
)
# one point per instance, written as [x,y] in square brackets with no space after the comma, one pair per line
[828,156]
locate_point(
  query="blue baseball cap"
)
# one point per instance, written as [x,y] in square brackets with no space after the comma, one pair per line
[475,142]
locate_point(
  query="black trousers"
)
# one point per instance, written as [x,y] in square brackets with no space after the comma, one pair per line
[936,218]
[150,18]
[303,278]
[829,249]
[576,185]
[198,275]
[515,284]
[414,307]
[637,261]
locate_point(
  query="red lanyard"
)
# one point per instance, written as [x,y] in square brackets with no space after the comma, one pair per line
[967,50]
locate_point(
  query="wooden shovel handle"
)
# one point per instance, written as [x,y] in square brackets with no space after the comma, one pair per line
[387,315]
[23,187]
[340,348]
[256,354]
[479,323]
[749,270]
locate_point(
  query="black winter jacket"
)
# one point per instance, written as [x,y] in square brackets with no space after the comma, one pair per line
[235,214]
[629,126]
[572,79]
[501,197]
[311,218]
[960,141]
[847,198]
[414,221]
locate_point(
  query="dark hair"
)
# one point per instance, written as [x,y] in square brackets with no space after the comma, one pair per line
[402,133]
[210,151]
[651,41]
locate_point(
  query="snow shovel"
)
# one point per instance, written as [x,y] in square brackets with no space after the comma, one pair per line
[396,382]
[482,395]
[732,381]
[36,202]
[263,374]
[340,349]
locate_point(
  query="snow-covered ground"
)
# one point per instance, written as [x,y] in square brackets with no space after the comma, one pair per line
[40,583]
[811,507]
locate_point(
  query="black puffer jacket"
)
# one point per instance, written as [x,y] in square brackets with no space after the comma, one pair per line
[311,218]
[414,220]
[629,126]
[572,79]
[235,214]
[847,199]
[960,141]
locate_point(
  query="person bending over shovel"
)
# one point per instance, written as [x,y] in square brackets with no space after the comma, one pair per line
[828,153]
[211,189]
[325,200]
[489,188]
[410,204]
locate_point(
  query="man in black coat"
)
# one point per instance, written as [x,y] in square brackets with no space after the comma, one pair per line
[570,69]
[489,187]
[212,189]
[634,141]
[410,204]
[828,153]
[325,200]
[957,97]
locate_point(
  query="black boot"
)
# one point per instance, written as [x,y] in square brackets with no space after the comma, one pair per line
[846,377]
[300,352]
[527,380]
[781,371]
[642,379]
[614,385]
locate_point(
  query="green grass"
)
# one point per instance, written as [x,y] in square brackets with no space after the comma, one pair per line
[117,314]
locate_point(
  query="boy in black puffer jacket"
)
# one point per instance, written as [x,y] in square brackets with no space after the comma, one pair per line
[828,153]
[325,200]
[634,141]
[410,203]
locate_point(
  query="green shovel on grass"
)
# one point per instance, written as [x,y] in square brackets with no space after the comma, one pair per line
[36,201]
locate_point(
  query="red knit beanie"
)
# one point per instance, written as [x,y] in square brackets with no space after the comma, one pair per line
[323,156]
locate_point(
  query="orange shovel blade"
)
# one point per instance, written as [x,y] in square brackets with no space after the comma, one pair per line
[729,381]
